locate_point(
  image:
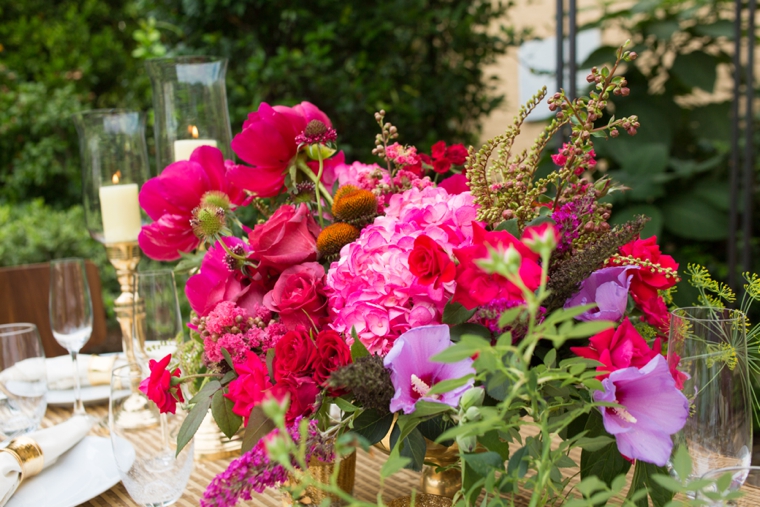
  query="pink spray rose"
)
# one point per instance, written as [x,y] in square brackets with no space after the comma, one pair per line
[298,296]
[289,237]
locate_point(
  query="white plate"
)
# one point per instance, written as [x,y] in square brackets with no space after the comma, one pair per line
[83,473]
[90,394]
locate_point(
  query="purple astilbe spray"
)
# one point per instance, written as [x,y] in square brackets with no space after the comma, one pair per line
[254,472]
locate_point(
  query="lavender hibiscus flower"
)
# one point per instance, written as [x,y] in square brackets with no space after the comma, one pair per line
[413,373]
[652,410]
[608,288]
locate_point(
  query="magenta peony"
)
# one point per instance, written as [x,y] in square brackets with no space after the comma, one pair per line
[371,287]
[169,199]
[268,144]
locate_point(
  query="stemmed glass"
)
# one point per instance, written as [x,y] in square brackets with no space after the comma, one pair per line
[71,314]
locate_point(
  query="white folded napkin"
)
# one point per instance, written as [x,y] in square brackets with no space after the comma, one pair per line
[53,441]
[93,371]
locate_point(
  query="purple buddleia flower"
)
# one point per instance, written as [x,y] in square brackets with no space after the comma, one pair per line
[652,410]
[608,288]
[413,373]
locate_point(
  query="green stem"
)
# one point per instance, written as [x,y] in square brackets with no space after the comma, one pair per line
[316,190]
[317,183]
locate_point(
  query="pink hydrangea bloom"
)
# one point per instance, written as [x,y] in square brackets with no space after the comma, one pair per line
[364,176]
[371,287]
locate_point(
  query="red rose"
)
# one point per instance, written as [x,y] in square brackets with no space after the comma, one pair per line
[430,263]
[298,296]
[289,237]
[648,280]
[438,150]
[251,387]
[294,354]
[618,348]
[441,166]
[332,354]
[457,153]
[455,184]
[655,313]
[158,386]
[475,287]
[303,393]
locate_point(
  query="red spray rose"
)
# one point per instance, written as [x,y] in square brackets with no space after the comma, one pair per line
[251,387]
[298,296]
[158,386]
[332,354]
[289,237]
[475,287]
[430,263]
[618,348]
[303,393]
[455,184]
[444,158]
[294,354]
[648,280]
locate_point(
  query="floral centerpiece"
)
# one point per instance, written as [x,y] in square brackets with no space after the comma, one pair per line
[455,296]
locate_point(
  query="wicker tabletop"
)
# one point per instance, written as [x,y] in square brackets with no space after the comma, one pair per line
[367,476]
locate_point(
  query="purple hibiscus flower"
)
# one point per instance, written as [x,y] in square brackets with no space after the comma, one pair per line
[608,288]
[413,373]
[652,410]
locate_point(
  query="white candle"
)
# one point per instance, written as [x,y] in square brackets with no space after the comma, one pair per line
[120,209]
[185,147]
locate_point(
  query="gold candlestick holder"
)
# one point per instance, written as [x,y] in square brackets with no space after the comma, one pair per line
[125,256]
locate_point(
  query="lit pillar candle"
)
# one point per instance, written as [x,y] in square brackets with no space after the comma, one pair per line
[183,148]
[120,210]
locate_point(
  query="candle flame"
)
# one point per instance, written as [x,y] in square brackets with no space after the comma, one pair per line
[193,131]
[116,177]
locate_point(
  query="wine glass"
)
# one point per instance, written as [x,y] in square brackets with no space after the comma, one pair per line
[71,314]
[144,448]
[709,345]
[23,380]
[745,480]
[158,321]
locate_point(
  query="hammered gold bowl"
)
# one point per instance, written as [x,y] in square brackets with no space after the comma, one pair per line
[322,472]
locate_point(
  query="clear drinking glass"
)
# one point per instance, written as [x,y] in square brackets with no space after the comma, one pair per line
[71,314]
[745,480]
[710,346]
[158,321]
[23,380]
[145,445]
[190,103]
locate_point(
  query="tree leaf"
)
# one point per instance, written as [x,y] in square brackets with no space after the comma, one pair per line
[643,479]
[414,448]
[456,313]
[345,406]
[372,425]
[259,425]
[358,349]
[605,463]
[192,422]
[694,218]
[483,463]
[491,441]
[206,391]
[221,408]
[696,69]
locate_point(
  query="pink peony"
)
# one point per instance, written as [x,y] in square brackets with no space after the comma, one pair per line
[169,199]
[371,287]
[268,144]
[216,282]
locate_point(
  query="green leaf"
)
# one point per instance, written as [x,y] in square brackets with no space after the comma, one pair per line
[483,463]
[456,332]
[517,463]
[696,69]
[434,427]
[647,159]
[372,425]
[358,349]
[229,377]
[509,316]
[206,392]
[226,419]
[594,443]
[550,358]
[693,218]
[259,425]
[585,329]
[414,448]
[510,226]
[497,385]
[468,346]
[449,385]
[192,422]
[270,362]
[643,478]
[491,441]
[394,463]
[228,358]
[652,228]
[455,313]
[720,28]
[605,463]
[345,406]
[682,463]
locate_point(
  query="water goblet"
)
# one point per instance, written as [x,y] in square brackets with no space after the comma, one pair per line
[145,449]
[744,480]
[71,314]
[158,321]
[709,346]
[23,380]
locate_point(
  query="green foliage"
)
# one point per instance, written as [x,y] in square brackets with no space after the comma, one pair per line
[421,60]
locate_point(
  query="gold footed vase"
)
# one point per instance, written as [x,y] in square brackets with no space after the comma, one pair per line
[210,443]
[436,488]
[322,472]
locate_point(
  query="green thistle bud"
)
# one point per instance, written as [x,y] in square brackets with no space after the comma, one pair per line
[208,221]
[216,198]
